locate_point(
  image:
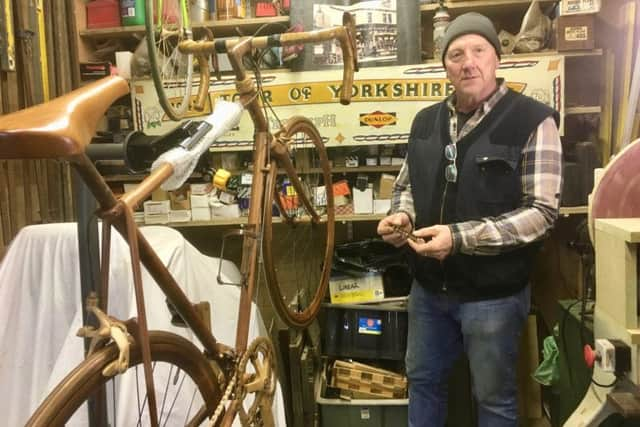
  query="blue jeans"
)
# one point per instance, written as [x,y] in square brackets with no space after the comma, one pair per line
[440,328]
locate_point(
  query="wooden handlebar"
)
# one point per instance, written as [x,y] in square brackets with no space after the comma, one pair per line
[345,34]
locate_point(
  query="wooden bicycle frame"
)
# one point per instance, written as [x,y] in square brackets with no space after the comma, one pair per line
[236,49]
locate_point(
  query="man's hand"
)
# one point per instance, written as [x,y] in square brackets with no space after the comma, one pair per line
[435,241]
[395,228]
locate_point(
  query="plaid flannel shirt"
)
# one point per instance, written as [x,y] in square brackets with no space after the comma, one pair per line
[541,182]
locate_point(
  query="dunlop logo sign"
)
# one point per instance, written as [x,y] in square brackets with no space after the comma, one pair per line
[378,119]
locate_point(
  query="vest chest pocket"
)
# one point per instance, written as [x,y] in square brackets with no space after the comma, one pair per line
[497,181]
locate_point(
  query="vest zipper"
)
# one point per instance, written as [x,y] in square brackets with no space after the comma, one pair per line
[444,197]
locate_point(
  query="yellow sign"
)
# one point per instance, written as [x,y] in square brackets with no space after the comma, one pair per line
[349,290]
[384,99]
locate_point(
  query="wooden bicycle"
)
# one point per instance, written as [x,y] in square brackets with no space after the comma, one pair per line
[224,382]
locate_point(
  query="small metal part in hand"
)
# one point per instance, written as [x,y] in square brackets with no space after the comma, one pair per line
[406,234]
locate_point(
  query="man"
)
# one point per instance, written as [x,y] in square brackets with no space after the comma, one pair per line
[478,190]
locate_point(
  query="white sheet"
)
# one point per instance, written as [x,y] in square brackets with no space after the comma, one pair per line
[40,307]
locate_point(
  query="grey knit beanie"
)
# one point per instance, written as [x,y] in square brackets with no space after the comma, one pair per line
[470,23]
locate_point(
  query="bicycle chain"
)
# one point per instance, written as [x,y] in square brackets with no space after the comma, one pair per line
[238,386]
[224,399]
[242,367]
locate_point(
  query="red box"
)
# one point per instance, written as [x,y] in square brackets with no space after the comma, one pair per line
[103,14]
[267,8]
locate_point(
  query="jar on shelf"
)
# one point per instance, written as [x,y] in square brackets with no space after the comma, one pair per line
[199,10]
[232,9]
[440,22]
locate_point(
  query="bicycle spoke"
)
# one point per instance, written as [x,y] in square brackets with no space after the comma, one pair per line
[297,251]
[164,397]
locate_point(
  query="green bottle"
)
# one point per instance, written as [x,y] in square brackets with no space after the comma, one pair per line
[132,12]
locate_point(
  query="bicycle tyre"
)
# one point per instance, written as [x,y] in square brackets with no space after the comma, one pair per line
[284,244]
[173,96]
[77,387]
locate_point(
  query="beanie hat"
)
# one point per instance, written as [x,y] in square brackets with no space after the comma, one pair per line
[470,23]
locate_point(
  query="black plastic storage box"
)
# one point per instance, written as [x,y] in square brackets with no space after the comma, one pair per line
[372,331]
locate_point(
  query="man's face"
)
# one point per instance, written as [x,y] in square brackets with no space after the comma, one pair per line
[471,63]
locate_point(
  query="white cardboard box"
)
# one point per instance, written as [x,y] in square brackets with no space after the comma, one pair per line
[156,218]
[201,214]
[200,188]
[362,201]
[199,201]
[576,7]
[381,206]
[157,207]
[181,215]
[221,210]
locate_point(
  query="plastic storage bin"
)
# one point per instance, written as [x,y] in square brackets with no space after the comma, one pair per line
[364,331]
[358,412]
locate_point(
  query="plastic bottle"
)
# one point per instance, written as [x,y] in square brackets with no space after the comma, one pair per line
[132,12]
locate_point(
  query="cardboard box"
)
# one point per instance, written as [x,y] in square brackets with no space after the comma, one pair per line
[156,218]
[575,7]
[352,289]
[320,196]
[385,186]
[201,188]
[575,32]
[180,200]
[199,201]
[362,201]
[129,186]
[381,206]
[180,216]
[341,188]
[159,195]
[201,214]
[220,210]
[157,207]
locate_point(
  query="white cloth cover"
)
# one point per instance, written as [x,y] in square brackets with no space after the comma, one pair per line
[41,311]
[226,115]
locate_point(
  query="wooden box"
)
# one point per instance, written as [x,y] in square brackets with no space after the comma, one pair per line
[575,32]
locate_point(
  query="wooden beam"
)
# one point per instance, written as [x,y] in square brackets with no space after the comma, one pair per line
[74,45]
[606,101]
[15,178]
[629,19]
[5,210]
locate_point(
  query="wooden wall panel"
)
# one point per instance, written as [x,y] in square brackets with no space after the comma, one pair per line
[37,191]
